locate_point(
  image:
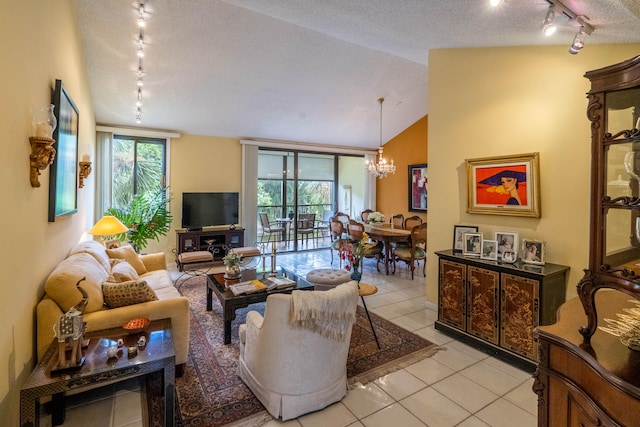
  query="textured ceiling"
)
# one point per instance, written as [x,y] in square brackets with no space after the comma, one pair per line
[303,70]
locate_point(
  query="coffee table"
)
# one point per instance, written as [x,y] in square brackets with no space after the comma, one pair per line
[157,356]
[230,303]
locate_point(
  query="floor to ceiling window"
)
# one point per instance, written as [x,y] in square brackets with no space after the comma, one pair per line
[294,187]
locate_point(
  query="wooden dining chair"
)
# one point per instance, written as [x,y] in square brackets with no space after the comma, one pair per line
[343,218]
[413,254]
[364,216]
[397,221]
[411,222]
[355,231]
[337,231]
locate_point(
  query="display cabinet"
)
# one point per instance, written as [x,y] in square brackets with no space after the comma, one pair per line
[587,376]
[496,306]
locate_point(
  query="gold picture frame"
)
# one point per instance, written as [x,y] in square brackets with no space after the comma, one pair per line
[505,185]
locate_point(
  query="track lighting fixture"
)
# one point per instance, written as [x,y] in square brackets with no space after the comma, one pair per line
[140,53]
[548,26]
[495,3]
[578,40]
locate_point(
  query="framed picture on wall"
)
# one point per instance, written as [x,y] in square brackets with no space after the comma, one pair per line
[63,173]
[506,185]
[418,188]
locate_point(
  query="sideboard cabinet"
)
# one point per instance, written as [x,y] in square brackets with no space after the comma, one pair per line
[496,306]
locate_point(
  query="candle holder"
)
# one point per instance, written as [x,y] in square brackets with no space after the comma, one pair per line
[83,173]
[42,155]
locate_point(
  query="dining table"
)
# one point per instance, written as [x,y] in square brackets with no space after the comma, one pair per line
[387,234]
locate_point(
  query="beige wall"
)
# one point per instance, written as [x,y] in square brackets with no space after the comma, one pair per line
[494,102]
[39,45]
[199,164]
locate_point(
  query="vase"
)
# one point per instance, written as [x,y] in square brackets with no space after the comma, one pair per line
[356,274]
[232,272]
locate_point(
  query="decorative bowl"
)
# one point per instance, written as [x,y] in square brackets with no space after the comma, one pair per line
[135,326]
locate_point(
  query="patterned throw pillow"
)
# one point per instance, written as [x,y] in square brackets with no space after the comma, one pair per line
[128,254]
[127,293]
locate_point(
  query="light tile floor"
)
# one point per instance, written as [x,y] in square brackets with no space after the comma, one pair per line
[458,386]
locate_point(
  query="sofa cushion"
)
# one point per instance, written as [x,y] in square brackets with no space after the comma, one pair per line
[127,293]
[61,283]
[128,254]
[95,249]
[122,271]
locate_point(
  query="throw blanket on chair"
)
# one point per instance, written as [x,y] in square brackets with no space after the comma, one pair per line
[329,313]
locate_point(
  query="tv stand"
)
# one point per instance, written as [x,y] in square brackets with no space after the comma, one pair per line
[216,241]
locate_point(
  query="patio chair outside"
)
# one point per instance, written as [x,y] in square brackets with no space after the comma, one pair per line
[270,228]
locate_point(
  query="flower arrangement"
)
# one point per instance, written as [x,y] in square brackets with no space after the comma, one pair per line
[231,259]
[352,252]
[376,218]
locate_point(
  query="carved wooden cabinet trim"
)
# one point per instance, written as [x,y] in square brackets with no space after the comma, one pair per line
[496,306]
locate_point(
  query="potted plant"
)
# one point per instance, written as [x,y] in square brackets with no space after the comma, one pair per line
[147,217]
[232,263]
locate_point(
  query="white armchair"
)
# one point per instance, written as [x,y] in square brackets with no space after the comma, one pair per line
[294,370]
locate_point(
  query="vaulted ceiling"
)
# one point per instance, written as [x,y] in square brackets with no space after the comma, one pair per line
[303,70]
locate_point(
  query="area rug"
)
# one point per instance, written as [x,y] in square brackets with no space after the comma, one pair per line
[211,394]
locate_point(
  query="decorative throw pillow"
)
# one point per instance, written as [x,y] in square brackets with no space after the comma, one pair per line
[124,272]
[127,293]
[128,254]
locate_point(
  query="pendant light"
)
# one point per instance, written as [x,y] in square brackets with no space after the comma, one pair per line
[380,168]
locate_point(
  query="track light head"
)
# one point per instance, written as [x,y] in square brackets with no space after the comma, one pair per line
[548,27]
[578,40]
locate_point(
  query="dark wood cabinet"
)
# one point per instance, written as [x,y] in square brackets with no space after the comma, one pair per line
[215,241]
[586,376]
[496,306]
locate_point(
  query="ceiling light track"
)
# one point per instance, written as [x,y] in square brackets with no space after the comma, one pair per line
[141,22]
[549,25]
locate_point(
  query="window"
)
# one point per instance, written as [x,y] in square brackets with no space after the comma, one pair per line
[138,165]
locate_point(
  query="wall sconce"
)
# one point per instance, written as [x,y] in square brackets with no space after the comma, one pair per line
[42,152]
[85,170]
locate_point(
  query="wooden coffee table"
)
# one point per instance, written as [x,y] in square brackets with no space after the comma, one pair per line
[157,356]
[230,303]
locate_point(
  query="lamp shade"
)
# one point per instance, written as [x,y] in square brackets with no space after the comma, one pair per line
[108,226]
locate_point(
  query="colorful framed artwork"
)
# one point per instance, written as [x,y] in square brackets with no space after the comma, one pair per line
[63,172]
[458,236]
[472,244]
[533,251]
[507,246]
[418,188]
[489,250]
[507,185]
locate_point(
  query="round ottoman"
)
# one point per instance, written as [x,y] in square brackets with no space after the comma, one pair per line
[323,279]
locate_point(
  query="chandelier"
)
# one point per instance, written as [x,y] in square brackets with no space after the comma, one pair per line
[380,168]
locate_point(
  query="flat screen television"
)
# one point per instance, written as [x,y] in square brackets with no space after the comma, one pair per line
[209,209]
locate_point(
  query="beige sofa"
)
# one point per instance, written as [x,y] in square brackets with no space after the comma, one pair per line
[109,307]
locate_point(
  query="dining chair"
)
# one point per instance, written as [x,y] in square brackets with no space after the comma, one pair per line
[411,222]
[364,216]
[269,227]
[306,226]
[397,221]
[355,231]
[413,254]
[337,230]
[343,218]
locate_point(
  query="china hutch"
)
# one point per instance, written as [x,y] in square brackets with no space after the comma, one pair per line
[586,376]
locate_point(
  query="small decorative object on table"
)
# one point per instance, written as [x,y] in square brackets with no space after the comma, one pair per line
[626,327]
[232,263]
[376,218]
[135,326]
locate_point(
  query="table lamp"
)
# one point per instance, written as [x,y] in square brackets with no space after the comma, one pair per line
[107,227]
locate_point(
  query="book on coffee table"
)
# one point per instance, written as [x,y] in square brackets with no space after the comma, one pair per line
[279,283]
[248,287]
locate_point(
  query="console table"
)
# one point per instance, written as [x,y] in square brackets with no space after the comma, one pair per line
[496,306]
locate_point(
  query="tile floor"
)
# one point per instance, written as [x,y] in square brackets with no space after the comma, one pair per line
[458,386]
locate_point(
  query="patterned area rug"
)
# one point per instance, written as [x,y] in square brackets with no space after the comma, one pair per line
[211,394]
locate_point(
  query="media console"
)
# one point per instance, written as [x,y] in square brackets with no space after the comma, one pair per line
[216,241]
